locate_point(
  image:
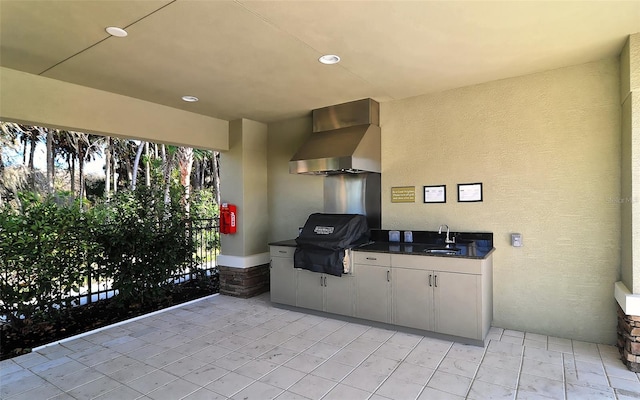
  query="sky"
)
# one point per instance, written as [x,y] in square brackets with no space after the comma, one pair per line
[12,157]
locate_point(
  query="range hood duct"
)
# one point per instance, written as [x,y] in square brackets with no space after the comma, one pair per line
[345,139]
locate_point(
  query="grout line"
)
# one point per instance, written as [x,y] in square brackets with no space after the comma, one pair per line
[520,373]
[475,374]
[434,369]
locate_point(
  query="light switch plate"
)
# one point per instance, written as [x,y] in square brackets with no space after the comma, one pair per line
[516,240]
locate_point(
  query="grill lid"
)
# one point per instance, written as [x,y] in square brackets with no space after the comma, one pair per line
[334,231]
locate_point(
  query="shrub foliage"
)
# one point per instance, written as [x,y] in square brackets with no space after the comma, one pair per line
[48,250]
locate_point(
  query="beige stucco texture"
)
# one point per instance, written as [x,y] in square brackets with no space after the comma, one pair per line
[546,148]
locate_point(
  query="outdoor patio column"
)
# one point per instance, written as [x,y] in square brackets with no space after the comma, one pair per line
[627,291]
[244,256]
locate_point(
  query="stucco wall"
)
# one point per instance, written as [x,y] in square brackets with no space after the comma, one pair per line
[243,182]
[291,197]
[547,149]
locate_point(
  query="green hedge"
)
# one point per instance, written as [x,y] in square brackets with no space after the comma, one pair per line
[48,250]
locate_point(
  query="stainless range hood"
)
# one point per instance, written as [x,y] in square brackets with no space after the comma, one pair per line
[345,139]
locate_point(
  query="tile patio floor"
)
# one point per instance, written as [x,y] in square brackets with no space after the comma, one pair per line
[223,347]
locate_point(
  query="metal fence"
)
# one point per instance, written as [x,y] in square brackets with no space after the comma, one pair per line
[205,236]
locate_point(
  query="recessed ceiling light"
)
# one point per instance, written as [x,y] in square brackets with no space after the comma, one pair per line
[190,99]
[329,59]
[117,32]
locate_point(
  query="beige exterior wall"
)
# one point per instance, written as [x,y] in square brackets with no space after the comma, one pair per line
[37,100]
[546,148]
[243,176]
[630,192]
[292,197]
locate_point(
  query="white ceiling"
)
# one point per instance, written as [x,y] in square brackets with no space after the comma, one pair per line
[258,59]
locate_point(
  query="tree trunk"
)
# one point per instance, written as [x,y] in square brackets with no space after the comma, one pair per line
[185,163]
[114,170]
[136,163]
[50,164]
[71,161]
[147,165]
[166,170]
[215,174]
[81,155]
[107,169]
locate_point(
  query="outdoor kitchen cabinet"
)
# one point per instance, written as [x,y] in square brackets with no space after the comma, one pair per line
[282,275]
[442,294]
[325,292]
[372,273]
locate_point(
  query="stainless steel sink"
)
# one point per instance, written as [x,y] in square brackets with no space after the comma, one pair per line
[448,252]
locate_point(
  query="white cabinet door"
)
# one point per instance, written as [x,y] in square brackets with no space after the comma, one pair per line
[412,298]
[373,298]
[457,310]
[309,291]
[339,294]
[283,281]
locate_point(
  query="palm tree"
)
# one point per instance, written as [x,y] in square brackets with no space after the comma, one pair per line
[185,164]
[136,163]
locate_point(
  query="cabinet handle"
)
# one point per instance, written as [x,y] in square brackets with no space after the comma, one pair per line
[371,258]
[388,277]
[282,251]
[435,280]
[325,281]
[430,280]
[321,281]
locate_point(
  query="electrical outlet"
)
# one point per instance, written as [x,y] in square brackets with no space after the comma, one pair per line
[516,240]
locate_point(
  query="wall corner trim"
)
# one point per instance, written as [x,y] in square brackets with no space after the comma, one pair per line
[630,303]
[243,262]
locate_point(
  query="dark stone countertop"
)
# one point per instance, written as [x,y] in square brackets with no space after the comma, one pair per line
[463,250]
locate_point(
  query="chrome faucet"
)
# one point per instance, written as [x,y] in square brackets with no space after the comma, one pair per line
[446,240]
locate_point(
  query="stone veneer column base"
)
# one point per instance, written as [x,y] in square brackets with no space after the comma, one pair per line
[244,282]
[629,340]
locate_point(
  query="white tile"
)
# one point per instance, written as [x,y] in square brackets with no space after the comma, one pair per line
[184,366]
[512,339]
[233,360]
[542,386]
[534,343]
[204,394]
[624,384]
[230,384]
[435,394]
[258,391]
[304,362]
[399,389]
[278,355]
[486,391]
[501,361]
[332,370]
[504,348]
[575,392]
[151,381]
[424,358]
[44,391]
[364,379]
[349,357]
[322,350]
[256,369]
[535,336]
[283,377]
[379,365]
[393,351]
[378,334]
[510,332]
[120,393]
[343,392]
[450,383]
[312,386]
[363,345]
[412,373]
[205,375]
[286,395]
[547,356]
[297,344]
[458,367]
[94,388]
[498,376]
[542,369]
[174,390]
[404,339]
[466,352]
